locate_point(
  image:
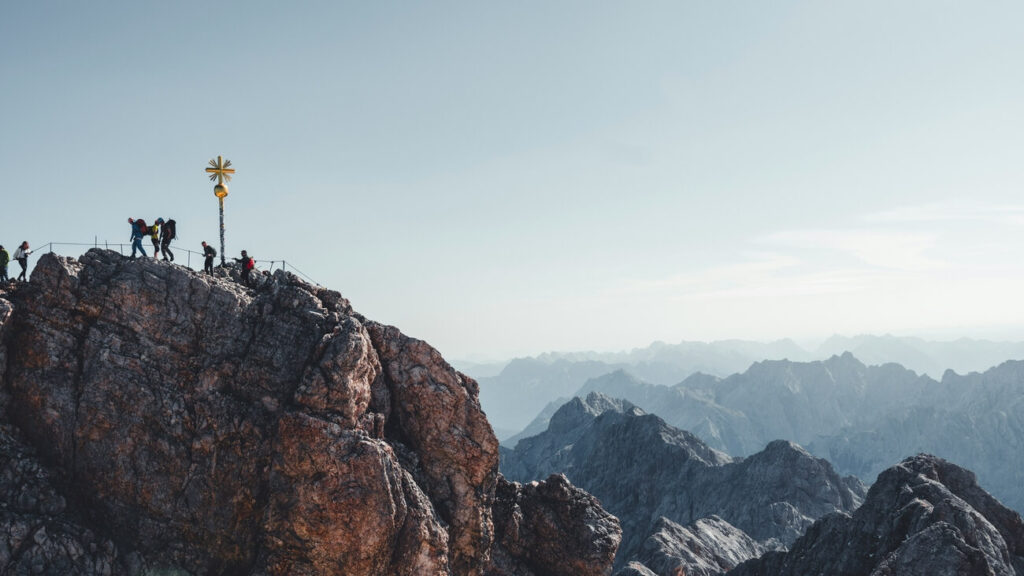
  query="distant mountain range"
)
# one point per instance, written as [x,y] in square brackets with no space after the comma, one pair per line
[686,508]
[515,395]
[861,418]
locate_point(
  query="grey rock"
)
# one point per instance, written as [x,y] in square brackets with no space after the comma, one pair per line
[640,468]
[975,420]
[861,418]
[708,547]
[634,569]
[551,528]
[923,516]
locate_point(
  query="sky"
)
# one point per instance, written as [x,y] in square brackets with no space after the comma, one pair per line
[509,178]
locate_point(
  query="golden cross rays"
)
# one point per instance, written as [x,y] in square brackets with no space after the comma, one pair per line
[220,170]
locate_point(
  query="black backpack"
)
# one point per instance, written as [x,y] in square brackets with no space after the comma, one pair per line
[170,230]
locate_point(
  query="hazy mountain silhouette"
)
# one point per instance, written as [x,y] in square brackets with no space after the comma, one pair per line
[514,397]
[861,418]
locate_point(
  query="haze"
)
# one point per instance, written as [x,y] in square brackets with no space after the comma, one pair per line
[509,178]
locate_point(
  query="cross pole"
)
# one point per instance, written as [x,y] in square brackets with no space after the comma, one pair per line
[221,171]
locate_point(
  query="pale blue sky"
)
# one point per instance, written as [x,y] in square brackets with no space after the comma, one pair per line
[510,178]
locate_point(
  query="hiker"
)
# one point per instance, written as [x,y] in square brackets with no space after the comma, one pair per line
[154,236]
[4,259]
[21,255]
[168,232]
[247,265]
[209,252]
[138,231]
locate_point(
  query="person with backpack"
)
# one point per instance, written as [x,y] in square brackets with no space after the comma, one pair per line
[209,252]
[139,230]
[154,236]
[4,259]
[168,232]
[247,265]
[21,255]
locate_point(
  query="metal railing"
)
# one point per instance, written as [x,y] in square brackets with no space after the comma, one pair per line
[200,257]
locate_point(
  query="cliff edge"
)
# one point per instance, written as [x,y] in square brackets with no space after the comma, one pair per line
[157,419]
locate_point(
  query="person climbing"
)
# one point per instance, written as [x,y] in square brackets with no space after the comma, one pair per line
[138,231]
[21,255]
[167,233]
[247,265]
[154,236]
[209,252]
[4,259]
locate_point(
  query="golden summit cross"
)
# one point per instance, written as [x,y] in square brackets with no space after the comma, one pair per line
[220,170]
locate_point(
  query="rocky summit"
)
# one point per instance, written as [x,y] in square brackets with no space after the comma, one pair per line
[924,516]
[160,421]
[657,478]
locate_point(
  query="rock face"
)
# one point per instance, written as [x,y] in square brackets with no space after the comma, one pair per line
[708,547]
[175,421]
[531,524]
[642,469]
[975,420]
[923,516]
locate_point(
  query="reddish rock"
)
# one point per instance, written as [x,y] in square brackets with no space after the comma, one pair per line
[313,495]
[552,528]
[436,412]
[216,429]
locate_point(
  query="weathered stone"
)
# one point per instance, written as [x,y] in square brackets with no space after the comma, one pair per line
[708,547]
[325,481]
[552,528]
[642,469]
[211,428]
[436,412]
[923,516]
[38,534]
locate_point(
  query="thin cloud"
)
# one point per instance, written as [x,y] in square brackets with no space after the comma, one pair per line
[893,250]
[1012,214]
[765,276]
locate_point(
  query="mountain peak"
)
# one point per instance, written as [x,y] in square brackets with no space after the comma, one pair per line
[922,516]
[208,427]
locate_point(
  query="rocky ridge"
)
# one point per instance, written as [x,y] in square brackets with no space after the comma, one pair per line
[156,419]
[708,547]
[923,516]
[860,418]
[642,469]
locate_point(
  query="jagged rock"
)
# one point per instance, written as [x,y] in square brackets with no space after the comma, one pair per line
[212,428]
[436,412]
[635,569]
[708,547]
[38,534]
[552,528]
[861,418]
[975,420]
[641,469]
[311,490]
[923,516]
